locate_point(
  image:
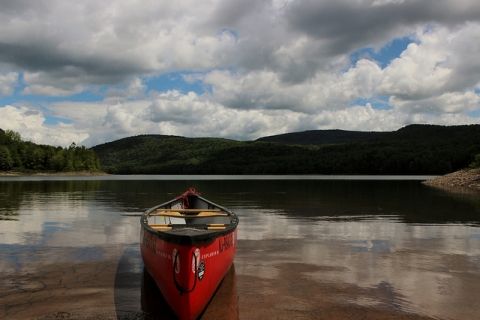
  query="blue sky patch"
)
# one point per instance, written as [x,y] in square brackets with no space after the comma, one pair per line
[379,102]
[52,120]
[175,81]
[18,97]
[386,54]
[474,113]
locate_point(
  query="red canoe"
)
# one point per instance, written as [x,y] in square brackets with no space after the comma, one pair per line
[188,245]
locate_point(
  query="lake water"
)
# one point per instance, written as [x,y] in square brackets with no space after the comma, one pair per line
[310,247]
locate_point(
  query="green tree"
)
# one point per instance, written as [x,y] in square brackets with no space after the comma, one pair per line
[69,160]
[28,156]
[57,161]
[13,136]
[17,161]
[6,161]
[476,162]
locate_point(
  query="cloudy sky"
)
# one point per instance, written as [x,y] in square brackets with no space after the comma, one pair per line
[95,71]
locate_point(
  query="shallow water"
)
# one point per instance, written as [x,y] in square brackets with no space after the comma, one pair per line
[309,248]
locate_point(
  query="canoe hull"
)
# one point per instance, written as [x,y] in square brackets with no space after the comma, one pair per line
[188,274]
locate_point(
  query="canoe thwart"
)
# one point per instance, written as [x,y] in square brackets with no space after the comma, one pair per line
[188,210]
[167,214]
[201,214]
[210,214]
[216,228]
[161,227]
[166,227]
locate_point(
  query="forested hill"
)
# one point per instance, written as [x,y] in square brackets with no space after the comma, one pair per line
[414,133]
[25,156]
[415,149]
[160,154]
[324,137]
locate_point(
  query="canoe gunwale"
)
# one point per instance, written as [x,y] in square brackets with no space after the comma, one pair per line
[204,237]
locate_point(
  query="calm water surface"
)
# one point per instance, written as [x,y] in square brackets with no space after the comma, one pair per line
[309,248]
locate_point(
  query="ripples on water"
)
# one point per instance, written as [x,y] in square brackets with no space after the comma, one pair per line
[313,248]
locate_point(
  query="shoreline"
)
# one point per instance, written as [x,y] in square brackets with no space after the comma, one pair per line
[99,176]
[52,174]
[462,180]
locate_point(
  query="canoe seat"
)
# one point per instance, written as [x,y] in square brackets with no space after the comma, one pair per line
[201,214]
[187,210]
[216,226]
[210,214]
[161,227]
[168,213]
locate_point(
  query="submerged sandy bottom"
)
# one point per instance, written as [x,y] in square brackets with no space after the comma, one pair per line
[266,282]
[306,250]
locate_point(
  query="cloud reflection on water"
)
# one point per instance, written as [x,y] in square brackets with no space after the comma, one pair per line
[381,239]
[428,267]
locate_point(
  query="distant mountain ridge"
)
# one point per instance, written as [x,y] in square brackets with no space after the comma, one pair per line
[323,137]
[336,136]
[415,149]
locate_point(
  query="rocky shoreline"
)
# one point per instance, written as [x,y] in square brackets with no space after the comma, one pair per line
[467,179]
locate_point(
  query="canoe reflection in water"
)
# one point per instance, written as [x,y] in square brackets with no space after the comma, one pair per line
[224,303]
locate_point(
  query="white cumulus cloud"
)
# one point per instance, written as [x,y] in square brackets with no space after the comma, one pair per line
[31,124]
[266,66]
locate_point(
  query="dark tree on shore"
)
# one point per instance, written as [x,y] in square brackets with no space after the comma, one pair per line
[19,155]
[6,161]
[476,162]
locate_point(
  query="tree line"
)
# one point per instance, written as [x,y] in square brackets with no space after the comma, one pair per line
[476,162]
[411,150]
[417,151]
[25,156]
